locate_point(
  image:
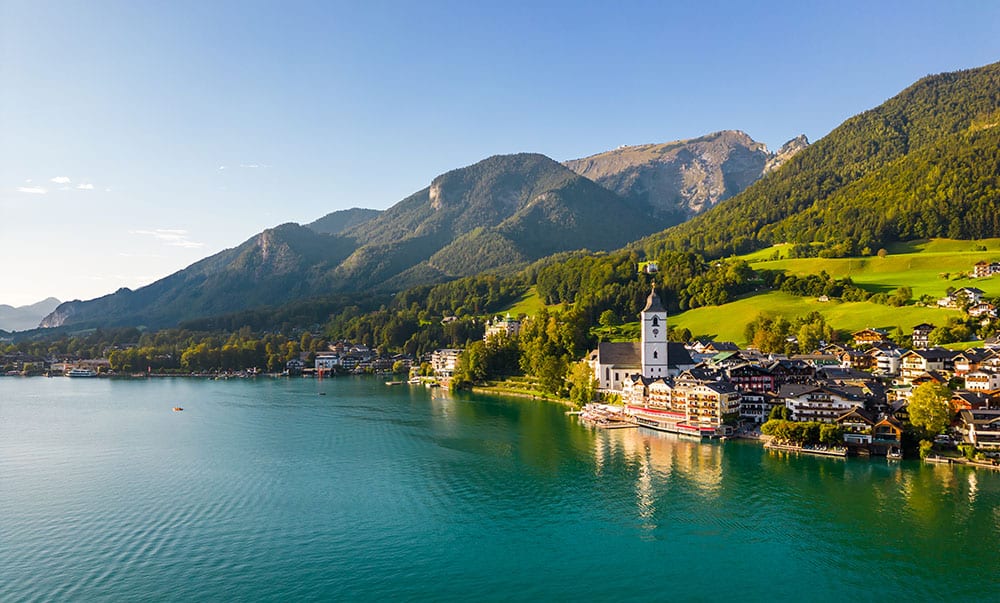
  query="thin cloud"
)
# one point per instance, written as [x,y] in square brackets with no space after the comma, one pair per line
[254,166]
[85,186]
[61,180]
[33,190]
[175,237]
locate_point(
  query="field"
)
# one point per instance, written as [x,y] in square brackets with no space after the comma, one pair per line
[928,267]
[726,322]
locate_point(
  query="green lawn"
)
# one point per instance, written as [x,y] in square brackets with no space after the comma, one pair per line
[530,303]
[927,267]
[726,322]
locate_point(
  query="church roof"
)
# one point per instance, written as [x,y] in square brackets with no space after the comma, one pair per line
[627,354]
[653,303]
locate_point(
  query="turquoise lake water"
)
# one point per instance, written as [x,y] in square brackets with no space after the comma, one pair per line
[267,490]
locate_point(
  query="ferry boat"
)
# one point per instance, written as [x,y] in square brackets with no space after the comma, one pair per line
[81,372]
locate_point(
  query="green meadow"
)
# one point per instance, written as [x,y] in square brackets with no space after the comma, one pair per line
[927,267]
[726,322]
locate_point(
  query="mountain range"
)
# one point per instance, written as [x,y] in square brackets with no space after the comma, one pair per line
[498,214]
[924,163]
[23,318]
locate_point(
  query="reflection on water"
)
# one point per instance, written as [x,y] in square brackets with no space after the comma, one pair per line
[267,491]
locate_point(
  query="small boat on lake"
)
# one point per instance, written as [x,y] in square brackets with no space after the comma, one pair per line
[178,409]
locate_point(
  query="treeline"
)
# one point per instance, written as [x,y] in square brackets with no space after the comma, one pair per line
[178,350]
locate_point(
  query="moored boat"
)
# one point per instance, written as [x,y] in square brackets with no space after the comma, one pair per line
[81,372]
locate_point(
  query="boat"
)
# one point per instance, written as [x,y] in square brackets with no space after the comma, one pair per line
[178,409]
[81,372]
[894,454]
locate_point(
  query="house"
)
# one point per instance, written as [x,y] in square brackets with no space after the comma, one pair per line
[887,361]
[982,381]
[920,336]
[917,362]
[711,404]
[757,406]
[727,359]
[857,360]
[869,336]
[992,343]
[966,296]
[982,309]
[981,427]
[819,403]
[969,360]
[506,327]
[968,400]
[443,362]
[984,269]
[857,424]
[326,362]
[751,378]
[888,430]
[791,371]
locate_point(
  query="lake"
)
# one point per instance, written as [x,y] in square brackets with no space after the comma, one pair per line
[346,489]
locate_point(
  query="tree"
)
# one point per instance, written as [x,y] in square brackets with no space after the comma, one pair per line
[582,384]
[609,319]
[929,408]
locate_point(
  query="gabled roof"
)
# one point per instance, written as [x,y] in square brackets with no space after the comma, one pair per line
[626,354]
[677,355]
[924,327]
[723,346]
[931,354]
[891,421]
[721,387]
[856,414]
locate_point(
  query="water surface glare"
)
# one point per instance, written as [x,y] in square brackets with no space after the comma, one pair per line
[267,490]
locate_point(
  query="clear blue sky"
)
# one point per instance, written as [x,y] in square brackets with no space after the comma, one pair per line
[137,137]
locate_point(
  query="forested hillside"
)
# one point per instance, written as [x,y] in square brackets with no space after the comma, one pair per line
[934,120]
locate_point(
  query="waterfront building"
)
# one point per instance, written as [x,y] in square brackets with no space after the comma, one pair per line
[818,402]
[981,427]
[443,362]
[327,362]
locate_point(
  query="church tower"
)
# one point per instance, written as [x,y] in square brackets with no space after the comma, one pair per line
[654,337]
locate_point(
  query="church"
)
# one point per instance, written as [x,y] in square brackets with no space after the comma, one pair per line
[653,356]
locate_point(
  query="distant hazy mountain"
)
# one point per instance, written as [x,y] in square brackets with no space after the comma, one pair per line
[925,163]
[499,213]
[339,221]
[23,318]
[683,178]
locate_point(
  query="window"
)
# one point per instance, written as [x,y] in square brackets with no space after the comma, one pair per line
[654,353]
[656,321]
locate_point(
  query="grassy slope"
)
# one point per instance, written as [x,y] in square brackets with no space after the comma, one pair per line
[919,265]
[530,303]
[726,323]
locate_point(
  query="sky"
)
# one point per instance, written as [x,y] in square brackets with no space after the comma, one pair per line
[138,137]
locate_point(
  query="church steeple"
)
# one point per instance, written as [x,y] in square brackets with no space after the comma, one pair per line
[653,301]
[654,337]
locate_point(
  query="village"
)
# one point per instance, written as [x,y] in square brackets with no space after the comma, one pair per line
[710,389]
